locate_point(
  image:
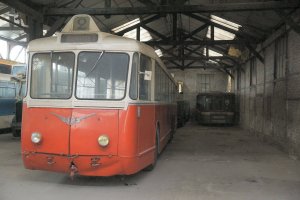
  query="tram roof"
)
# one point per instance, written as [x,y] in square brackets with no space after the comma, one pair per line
[106,41]
[89,30]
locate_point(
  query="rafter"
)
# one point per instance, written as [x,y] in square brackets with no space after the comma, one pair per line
[154,32]
[220,61]
[195,42]
[23,8]
[204,66]
[255,53]
[20,37]
[14,23]
[164,9]
[197,30]
[146,21]
[237,33]
[8,28]
[5,10]
[147,2]
[61,21]
[24,44]
[288,20]
[196,58]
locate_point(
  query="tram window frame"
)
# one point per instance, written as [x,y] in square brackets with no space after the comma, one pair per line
[51,54]
[126,80]
[142,80]
[158,82]
[134,77]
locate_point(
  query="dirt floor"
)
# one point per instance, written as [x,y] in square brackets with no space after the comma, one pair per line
[201,163]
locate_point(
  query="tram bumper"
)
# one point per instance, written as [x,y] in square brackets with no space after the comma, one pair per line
[217,117]
[107,165]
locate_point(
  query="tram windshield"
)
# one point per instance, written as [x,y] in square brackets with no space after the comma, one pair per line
[52,75]
[101,75]
[212,103]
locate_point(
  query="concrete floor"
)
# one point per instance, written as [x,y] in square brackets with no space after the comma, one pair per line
[201,163]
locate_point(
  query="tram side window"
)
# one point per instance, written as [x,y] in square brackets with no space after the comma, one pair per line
[7,90]
[170,91]
[165,86]
[145,85]
[158,84]
[102,75]
[228,103]
[133,80]
[208,103]
[52,75]
[5,69]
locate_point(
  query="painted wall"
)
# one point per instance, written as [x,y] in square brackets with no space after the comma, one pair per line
[190,87]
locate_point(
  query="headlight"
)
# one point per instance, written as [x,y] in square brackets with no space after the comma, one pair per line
[36,137]
[103,140]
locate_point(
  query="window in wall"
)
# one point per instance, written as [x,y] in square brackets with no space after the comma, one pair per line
[279,57]
[205,82]
[252,71]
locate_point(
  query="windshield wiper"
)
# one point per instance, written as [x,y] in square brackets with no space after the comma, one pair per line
[96,63]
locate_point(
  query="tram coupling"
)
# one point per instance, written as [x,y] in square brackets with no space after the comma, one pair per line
[73,170]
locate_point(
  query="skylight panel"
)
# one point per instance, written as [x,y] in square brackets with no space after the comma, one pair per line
[126,25]
[211,53]
[144,34]
[224,22]
[2,22]
[221,34]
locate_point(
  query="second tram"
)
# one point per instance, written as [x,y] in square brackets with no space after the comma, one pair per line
[216,108]
[7,101]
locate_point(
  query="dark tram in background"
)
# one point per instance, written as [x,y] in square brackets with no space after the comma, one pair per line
[216,108]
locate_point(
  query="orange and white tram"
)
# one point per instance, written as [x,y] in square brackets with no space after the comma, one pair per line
[97,104]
